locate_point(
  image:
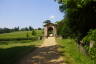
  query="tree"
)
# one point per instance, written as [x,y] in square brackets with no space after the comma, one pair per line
[25,29]
[47,21]
[16,28]
[30,28]
[81,15]
[27,35]
[33,32]
[39,28]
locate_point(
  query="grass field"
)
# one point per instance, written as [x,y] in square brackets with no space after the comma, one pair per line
[71,53]
[12,51]
[12,48]
[20,35]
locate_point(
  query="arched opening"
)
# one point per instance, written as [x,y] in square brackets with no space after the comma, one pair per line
[50,31]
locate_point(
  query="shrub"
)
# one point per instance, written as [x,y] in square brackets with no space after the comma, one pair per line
[90,37]
[33,32]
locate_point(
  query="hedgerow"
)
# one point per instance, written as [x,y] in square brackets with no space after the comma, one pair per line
[87,39]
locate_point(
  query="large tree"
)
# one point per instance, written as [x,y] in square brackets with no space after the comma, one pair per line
[81,15]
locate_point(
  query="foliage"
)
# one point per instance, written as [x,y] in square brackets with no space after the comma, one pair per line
[91,37]
[31,28]
[92,52]
[34,33]
[39,28]
[8,30]
[81,16]
[27,28]
[27,35]
[63,29]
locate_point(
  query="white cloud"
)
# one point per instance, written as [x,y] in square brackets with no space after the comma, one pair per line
[52,17]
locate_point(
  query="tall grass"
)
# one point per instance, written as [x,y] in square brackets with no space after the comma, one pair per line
[71,52]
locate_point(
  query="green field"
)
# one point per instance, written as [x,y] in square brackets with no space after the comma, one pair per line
[12,49]
[71,52]
[20,35]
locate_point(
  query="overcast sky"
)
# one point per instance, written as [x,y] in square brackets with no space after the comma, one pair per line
[28,12]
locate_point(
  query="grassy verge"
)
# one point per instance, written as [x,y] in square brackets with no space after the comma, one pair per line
[12,51]
[71,53]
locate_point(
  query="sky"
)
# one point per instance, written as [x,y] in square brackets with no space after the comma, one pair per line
[24,13]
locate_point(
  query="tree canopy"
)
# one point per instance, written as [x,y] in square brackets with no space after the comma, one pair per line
[80,16]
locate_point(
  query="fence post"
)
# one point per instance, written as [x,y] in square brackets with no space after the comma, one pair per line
[92,43]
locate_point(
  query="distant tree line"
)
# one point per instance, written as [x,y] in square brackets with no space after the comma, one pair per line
[8,30]
[27,28]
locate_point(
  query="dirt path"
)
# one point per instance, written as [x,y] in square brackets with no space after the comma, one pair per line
[45,54]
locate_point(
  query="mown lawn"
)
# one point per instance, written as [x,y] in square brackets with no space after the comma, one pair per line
[20,34]
[71,52]
[12,51]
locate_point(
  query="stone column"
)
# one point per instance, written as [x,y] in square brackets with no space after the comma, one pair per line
[45,31]
[92,43]
[54,31]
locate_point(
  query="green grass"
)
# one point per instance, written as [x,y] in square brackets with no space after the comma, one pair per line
[15,45]
[12,51]
[71,52]
[20,34]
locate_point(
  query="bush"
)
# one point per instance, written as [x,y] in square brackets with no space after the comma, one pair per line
[90,37]
[33,32]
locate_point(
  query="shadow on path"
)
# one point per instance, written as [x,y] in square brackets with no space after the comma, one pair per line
[45,54]
[13,54]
